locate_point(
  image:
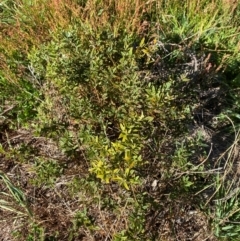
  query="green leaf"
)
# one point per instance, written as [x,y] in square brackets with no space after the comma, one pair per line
[126,185]
[142,43]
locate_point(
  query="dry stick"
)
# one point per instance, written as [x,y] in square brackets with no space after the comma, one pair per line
[198,172]
[230,195]
[204,172]
[7,110]
[224,176]
[209,153]
[230,149]
[226,218]
[203,189]
[233,192]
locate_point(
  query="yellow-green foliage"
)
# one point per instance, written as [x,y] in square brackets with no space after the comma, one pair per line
[117,161]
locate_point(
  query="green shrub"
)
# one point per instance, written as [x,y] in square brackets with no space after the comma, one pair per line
[119,87]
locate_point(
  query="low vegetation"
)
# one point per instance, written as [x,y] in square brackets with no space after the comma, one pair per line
[119,120]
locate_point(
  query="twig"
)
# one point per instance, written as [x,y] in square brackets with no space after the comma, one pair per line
[7,110]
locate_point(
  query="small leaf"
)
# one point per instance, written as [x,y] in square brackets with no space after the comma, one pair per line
[125,185]
[122,127]
[142,43]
